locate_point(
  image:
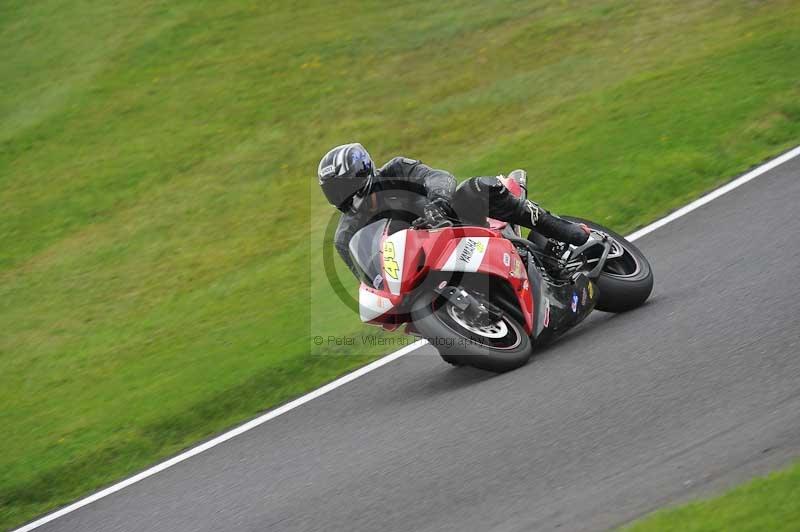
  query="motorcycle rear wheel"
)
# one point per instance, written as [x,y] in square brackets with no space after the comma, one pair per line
[499,347]
[626,282]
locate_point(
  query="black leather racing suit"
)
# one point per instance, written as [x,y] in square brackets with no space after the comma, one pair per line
[402,187]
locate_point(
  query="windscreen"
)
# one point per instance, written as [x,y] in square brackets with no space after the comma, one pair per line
[365,250]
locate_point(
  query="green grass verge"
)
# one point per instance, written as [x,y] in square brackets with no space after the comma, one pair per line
[771,503]
[160,227]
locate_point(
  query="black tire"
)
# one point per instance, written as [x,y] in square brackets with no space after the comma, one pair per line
[452,360]
[462,347]
[625,283]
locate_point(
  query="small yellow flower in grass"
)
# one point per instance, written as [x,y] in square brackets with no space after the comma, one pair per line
[313,63]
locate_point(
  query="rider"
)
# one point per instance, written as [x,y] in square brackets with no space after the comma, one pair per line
[408,189]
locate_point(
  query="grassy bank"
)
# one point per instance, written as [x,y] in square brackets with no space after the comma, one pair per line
[160,229]
[771,503]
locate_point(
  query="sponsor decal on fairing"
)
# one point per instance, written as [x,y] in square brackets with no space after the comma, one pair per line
[546,320]
[518,271]
[468,255]
[394,248]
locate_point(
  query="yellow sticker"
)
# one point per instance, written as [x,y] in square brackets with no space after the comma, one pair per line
[389,262]
[591,290]
[517,271]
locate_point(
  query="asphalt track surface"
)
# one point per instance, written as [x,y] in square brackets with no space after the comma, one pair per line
[696,391]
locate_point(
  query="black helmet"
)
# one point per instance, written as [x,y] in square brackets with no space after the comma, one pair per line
[344,172]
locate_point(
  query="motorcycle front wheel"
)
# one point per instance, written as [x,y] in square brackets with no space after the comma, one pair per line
[497,347]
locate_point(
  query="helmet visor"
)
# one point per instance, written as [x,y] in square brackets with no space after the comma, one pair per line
[359,163]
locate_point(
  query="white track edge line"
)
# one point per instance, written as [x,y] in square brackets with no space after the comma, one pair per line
[223,437]
[241,429]
[711,196]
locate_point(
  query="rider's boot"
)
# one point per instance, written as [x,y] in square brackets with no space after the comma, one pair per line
[529,214]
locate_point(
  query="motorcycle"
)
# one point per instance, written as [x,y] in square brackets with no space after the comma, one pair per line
[486,297]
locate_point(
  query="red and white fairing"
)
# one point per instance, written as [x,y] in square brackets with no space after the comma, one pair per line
[411,255]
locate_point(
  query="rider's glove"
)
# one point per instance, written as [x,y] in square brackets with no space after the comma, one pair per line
[436,215]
